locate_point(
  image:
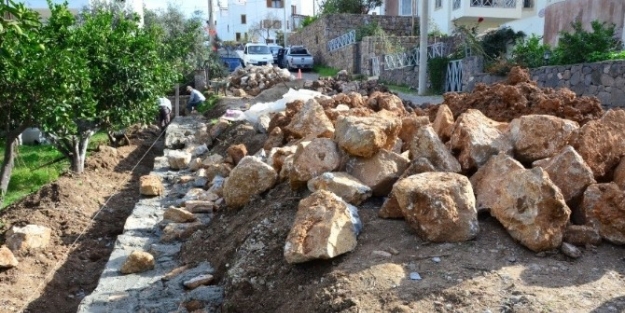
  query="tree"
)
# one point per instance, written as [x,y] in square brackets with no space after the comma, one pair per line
[264,28]
[349,6]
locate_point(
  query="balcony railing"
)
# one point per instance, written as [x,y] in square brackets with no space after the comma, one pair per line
[456,4]
[493,3]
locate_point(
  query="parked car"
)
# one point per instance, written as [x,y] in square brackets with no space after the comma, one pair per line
[274,51]
[295,57]
[255,54]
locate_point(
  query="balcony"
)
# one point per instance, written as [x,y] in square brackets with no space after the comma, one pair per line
[494,12]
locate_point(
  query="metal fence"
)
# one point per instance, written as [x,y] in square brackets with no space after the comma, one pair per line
[453,77]
[494,3]
[342,41]
[411,58]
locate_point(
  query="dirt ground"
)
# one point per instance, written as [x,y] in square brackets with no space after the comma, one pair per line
[56,278]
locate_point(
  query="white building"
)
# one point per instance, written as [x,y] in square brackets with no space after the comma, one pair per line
[237,19]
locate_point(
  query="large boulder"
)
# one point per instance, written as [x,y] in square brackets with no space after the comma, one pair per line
[311,122]
[179,160]
[532,209]
[476,138]
[582,235]
[390,208]
[237,153]
[379,172]
[276,156]
[251,177]
[365,136]
[343,185]
[488,180]
[426,144]
[603,208]
[325,226]
[313,158]
[439,206]
[409,126]
[619,174]
[601,143]
[540,136]
[151,185]
[569,172]
[28,237]
[444,122]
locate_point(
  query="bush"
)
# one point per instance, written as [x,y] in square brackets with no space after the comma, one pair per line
[500,66]
[437,69]
[309,20]
[582,46]
[495,43]
[530,52]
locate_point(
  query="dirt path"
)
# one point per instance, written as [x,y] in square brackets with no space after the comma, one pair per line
[67,207]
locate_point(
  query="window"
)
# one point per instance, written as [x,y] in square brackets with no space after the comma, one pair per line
[456,4]
[238,36]
[438,4]
[275,3]
[527,4]
[405,8]
[243,19]
[293,10]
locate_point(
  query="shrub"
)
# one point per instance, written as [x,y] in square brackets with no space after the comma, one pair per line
[530,52]
[437,69]
[495,43]
[309,20]
[582,46]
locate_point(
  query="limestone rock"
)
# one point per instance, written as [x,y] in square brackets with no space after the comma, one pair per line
[341,184]
[179,215]
[251,177]
[311,122]
[379,172]
[212,159]
[198,281]
[390,208]
[178,160]
[477,138]
[365,136]
[237,152]
[137,262]
[323,228]
[582,235]
[488,180]
[7,259]
[276,156]
[275,139]
[312,158]
[570,250]
[386,101]
[604,209]
[409,126]
[218,128]
[426,144]
[195,164]
[444,122]
[179,231]
[619,174]
[151,185]
[418,166]
[569,172]
[532,209]
[540,136]
[601,143]
[28,237]
[200,206]
[221,169]
[439,206]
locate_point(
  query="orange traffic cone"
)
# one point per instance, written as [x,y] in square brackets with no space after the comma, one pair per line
[299,73]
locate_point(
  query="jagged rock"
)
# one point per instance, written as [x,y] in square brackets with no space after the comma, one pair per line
[200,206]
[418,166]
[439,206]
[212,159]
[195,164]
[582,235]
[137,262]
[151,185]
[386,101]
[312,158]
[604,209]
[477,138]
[218,128]
[409,126]
[237,152]
[251,177]
[444,122]
[426,144]
[198,281]
[221,169]
[311,122]
[619,174]
[287,168]
[488,181]
[179,231]
[276,156]
[7,259]
[540,136]
[365,136]
[390,208]
[178,160]
[532,209]
[27,237]
[569,172]
[275,139]
[601,142]
[379,172]
[325,226]
[179,215]
[343,185]
[217,186]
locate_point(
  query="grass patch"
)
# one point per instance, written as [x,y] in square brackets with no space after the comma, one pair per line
[401,88]
[207,105]
[99,138]
[325,71]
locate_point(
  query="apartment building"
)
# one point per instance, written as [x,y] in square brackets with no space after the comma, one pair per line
[238,19]
[75,6]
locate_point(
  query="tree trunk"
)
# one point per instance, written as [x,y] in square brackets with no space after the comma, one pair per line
[7,164]
[79,153]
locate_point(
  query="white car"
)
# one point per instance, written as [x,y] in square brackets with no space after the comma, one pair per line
[255,54]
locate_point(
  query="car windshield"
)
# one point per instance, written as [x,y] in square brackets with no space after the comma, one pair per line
[274,50]
[258,50]
[299,51]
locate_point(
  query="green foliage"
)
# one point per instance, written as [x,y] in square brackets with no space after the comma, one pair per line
[495,43]
[349,6]
[369,29]
[23,18]
[602,56]
[500,66]
[437,69]
[208,104]
[530,52]
[309,20]
[325,71]
[398,88]
[583,46]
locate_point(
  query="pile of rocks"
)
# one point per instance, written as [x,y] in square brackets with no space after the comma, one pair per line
[538,175]
[341,84]
[252,80]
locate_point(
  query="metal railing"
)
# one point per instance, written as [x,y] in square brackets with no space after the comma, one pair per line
[494,3]
[453,77]
[456,4]
[411,58]
[375,66]
[342,41]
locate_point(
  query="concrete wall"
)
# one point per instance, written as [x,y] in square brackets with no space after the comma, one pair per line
[560,15]
[605,80]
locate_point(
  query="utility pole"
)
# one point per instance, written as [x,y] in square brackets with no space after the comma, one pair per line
[210,24]
[423,47]
[285,24]
[412,13]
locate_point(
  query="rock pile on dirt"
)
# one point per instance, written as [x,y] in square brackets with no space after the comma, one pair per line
[519,96]
[341,84]
[252,80]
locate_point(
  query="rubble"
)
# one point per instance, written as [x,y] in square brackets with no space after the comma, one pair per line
[28,237]
[379,172]
[7,259]
[151,185]
[137,262]
[251,80]
[343,185]
[603,208]
[539,136]
[250,177]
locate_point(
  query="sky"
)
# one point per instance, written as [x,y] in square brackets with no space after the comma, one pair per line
[187,6]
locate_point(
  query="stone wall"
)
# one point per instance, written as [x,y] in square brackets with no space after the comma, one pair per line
[316,36]
[376,46]
[605,80]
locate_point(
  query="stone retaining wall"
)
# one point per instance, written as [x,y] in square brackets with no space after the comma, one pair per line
[605,80]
